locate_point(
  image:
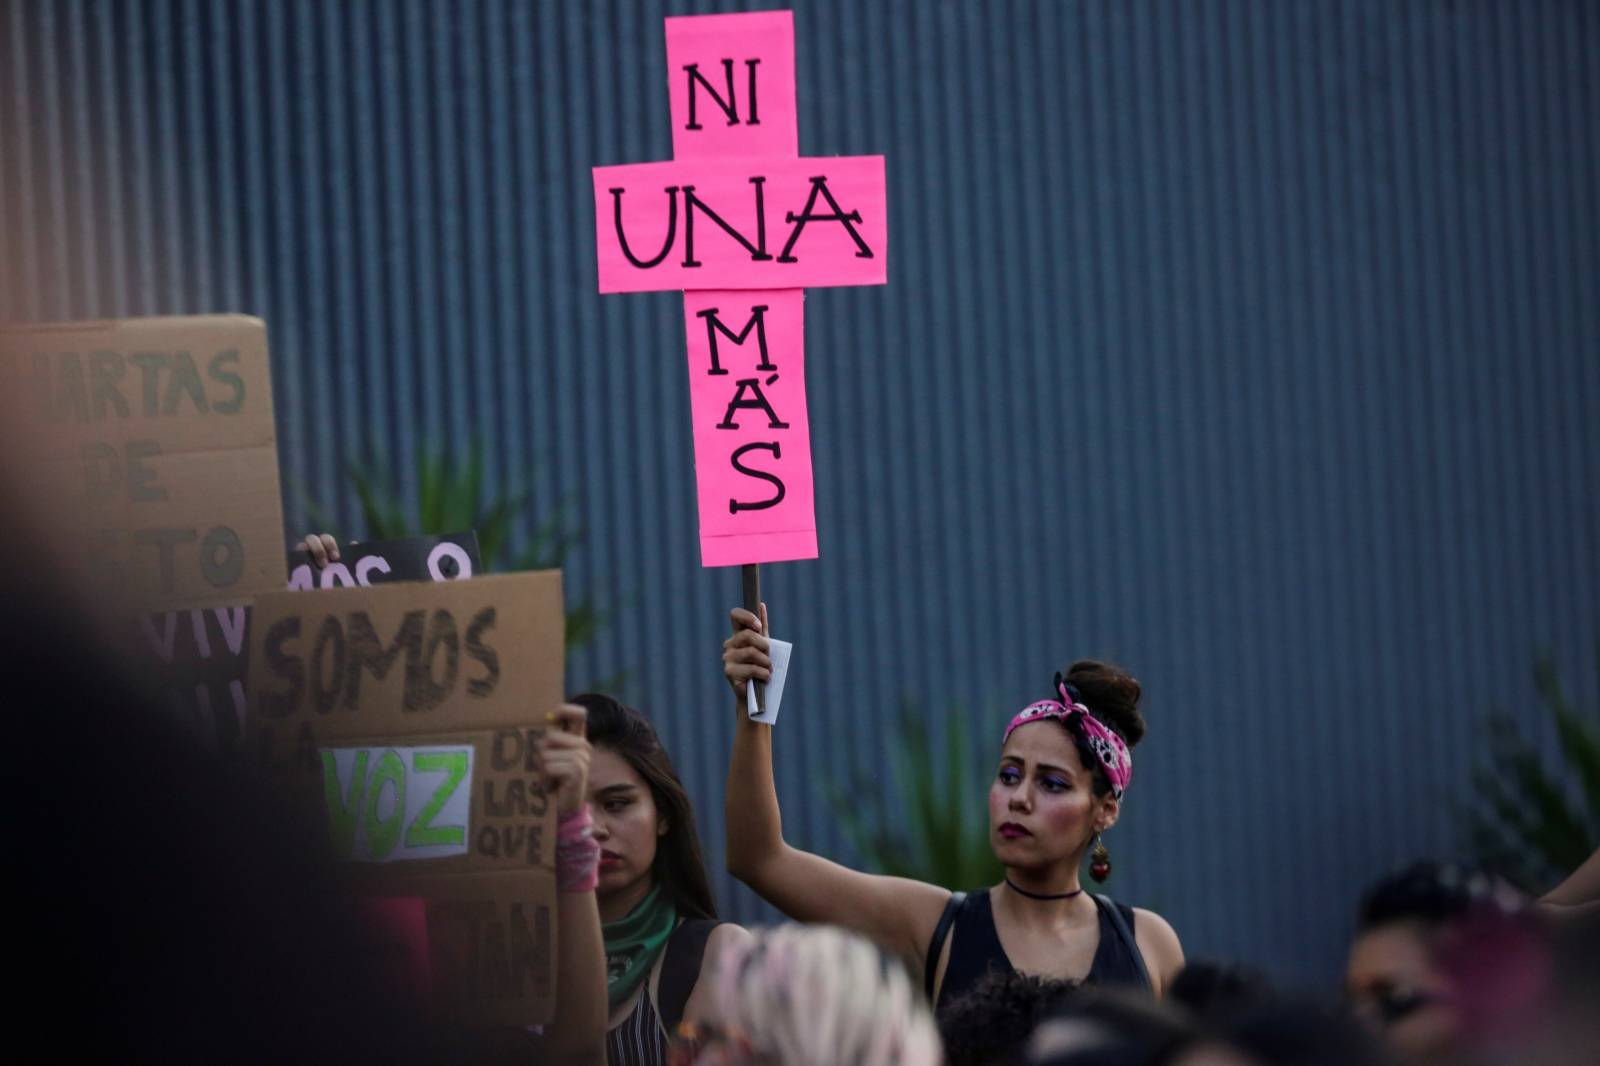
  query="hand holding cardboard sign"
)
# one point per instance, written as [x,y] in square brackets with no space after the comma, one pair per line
[319,562]
[322,548]
[563,754]
[745,655]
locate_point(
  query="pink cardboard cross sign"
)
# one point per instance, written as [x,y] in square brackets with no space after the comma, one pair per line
[741,223]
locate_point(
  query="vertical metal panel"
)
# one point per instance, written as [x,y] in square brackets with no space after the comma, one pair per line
[1252,344]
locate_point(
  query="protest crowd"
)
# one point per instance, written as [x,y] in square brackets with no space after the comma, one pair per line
[1449,964]
[373,825]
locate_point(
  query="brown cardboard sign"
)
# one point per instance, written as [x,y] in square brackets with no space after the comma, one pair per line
[199,658]
[150,447]
[404,707]
[197,663]
[463,803]
[491,944]
[461,826]
[402,660]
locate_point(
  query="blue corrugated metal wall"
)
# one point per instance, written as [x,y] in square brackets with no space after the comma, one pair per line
[1255,344]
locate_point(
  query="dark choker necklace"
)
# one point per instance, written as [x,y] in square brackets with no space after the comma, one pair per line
[1036,895]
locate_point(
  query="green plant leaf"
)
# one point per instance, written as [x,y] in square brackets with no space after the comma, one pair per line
[1557,831]
[1580,741]
[936,834]
[453,496]
[431,490]
[382,516]
[1499,801]
[469,488]
[494,527]
[584,622]
[1524,820]
[551,540]
[855,817]
[1489,842]
[321,521]
[911,760]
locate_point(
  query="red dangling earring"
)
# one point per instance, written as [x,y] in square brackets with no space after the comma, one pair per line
[1099,860]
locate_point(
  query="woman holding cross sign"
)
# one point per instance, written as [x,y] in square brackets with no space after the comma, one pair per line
[1064,765]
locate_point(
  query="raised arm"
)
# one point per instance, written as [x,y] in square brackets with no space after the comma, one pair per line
[898,913]
[577,1035]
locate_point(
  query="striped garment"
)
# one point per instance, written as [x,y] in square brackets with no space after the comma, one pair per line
[639,1039]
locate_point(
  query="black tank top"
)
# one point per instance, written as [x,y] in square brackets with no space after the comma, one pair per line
[975,948]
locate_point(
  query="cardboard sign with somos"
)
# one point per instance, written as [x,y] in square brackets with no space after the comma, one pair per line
[402,660]
[200,657]
[402,710]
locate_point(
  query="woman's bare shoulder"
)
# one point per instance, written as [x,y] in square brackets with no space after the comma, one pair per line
[1158,943]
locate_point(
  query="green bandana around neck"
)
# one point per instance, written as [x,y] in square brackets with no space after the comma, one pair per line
[633,942]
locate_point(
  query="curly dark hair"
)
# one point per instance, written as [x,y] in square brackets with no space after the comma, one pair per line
[1112,696]
[1433,894]
[989,1024]
[1212,989]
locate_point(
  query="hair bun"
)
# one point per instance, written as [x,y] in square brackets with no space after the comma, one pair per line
[1112,694]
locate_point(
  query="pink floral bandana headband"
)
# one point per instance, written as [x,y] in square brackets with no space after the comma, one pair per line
[1109,748]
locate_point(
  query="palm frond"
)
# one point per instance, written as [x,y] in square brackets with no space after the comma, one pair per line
[320,520]
[1533,821]
[1580,740]
[432,490]
[468,486]
[584,622]
[381,511]
[936,833]
[453,494]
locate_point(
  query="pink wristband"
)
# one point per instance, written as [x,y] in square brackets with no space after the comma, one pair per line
[577,854]
[575,827]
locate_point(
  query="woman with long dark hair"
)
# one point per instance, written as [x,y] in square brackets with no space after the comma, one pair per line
[660,920]
[1058,788]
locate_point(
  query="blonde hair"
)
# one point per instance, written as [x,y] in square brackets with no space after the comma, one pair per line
[820,996]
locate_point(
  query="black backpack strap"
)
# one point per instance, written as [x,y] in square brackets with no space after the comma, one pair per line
[1125,934]
[940,931]
[680,969]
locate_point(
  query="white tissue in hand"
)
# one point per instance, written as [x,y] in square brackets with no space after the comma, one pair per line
[779,651]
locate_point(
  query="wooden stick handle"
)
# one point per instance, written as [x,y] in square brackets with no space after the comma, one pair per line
[750,574]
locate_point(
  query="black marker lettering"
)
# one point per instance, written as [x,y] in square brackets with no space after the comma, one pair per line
[819,186]
[735,506]
[756,321]
[672,228]
[729,106]
[759,402]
